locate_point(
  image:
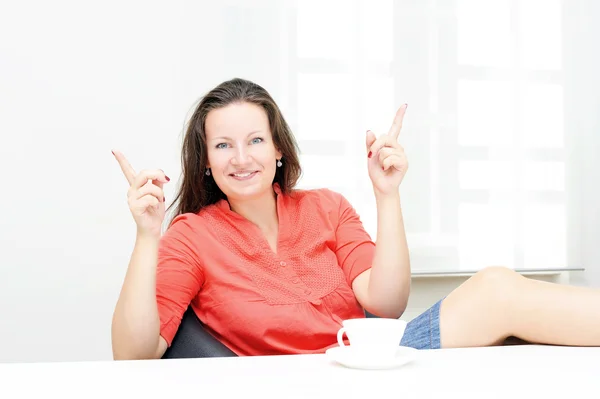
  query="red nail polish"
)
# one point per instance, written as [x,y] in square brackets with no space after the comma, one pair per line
[164,200]
[112,152]
[167,177]
[369,154]
[383,168]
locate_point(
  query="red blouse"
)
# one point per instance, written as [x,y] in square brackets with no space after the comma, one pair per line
[253,300]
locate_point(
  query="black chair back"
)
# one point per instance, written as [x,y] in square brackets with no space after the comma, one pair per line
[193,341]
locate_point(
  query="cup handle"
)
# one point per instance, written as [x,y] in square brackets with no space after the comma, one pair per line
[340,336]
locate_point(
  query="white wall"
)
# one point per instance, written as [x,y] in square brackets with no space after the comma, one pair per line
[80,78]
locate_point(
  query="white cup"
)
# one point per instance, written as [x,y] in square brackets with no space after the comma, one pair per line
[373,336]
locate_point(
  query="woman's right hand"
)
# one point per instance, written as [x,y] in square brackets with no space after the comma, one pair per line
[145,196]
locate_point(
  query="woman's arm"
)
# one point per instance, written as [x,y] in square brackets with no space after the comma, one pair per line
[161,280]
[384,289]
[136,324]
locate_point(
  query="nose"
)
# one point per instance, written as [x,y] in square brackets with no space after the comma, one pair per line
[241,156]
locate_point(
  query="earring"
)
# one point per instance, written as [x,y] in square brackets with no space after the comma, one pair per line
[207,173]
[279,163]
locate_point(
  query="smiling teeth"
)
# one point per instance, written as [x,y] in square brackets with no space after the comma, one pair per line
[242,174]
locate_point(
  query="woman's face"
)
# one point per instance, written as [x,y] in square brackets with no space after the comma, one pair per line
[241,154]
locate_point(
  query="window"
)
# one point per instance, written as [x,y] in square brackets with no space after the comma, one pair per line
[484,130]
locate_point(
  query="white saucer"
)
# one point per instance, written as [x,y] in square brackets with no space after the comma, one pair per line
[346,356]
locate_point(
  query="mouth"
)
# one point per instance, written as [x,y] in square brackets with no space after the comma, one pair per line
[244,175]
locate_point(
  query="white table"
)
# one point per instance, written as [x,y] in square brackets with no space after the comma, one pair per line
[528,371]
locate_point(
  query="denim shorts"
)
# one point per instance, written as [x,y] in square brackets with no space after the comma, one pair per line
[423,332]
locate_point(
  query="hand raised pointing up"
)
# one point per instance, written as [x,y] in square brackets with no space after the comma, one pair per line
[387,162]
[145,196]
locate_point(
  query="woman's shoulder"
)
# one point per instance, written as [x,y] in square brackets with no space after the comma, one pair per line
[323,198]
[190,223]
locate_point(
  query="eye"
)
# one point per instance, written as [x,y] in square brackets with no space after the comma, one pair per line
[221,145]
[256,140]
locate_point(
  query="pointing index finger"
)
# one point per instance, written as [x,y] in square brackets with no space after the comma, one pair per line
[126,167]
[397,124]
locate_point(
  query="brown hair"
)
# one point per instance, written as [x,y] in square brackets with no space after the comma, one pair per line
[198,190]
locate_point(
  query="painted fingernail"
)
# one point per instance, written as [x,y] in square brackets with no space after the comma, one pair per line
[383,168]
[370,153]
[112,152]
[167,177]
[164,200]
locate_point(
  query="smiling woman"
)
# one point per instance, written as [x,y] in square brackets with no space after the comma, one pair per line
[243,165]
[237,129]
[271,269]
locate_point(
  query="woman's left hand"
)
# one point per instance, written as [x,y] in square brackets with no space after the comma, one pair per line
[387,162]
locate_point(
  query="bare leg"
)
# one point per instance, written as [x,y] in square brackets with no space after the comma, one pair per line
[498,303]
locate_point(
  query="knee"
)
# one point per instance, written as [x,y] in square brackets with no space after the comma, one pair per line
[497,282]
[496,273]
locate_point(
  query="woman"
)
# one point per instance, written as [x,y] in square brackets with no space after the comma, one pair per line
[273,270]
